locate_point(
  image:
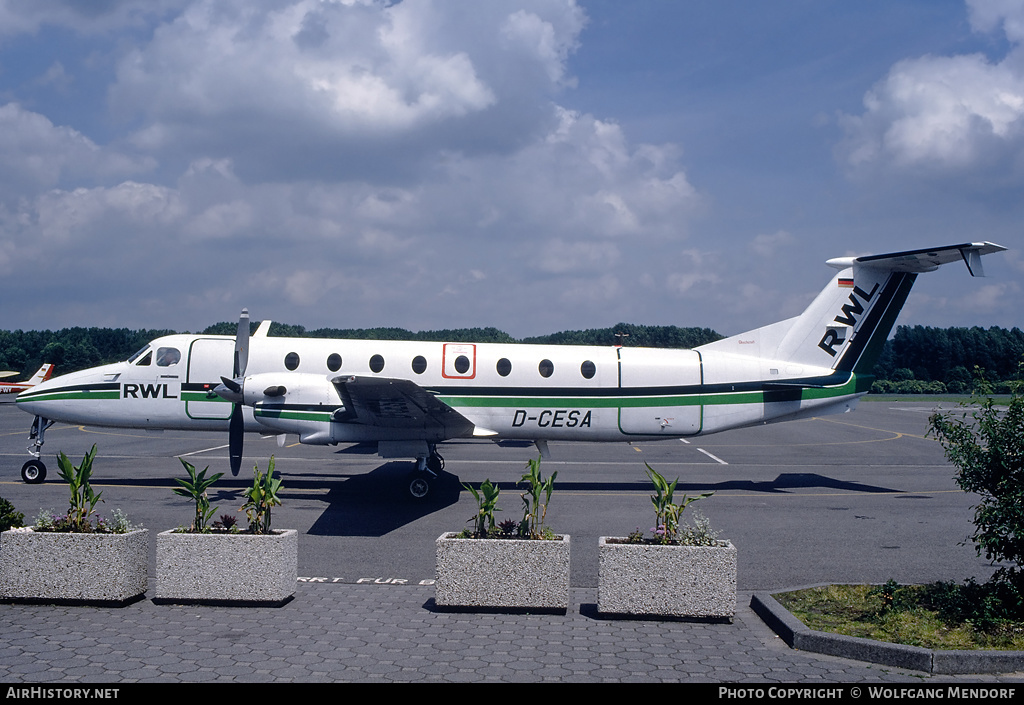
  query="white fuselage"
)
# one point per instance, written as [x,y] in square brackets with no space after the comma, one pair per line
[514,391]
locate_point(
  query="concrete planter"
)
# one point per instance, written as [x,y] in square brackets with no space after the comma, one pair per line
[502,574]
[233,569]
[671,581]
[103,569]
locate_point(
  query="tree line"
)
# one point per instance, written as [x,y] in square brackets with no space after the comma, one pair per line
[927,360]
[918,359]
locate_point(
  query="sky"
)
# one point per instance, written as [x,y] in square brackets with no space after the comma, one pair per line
[532,165]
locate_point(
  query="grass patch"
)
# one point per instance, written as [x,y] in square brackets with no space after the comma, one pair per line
[906,615]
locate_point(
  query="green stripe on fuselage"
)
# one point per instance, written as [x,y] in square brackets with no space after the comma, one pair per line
[620,398]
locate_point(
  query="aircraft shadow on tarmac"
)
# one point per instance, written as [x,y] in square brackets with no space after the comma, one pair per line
[375,503]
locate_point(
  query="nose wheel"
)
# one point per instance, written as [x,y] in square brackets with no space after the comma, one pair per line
[33,472]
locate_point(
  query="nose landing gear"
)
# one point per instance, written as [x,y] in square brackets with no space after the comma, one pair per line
[34,471]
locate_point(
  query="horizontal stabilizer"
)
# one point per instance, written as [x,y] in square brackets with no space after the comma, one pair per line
[924,260]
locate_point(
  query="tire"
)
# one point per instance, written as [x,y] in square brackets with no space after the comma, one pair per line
[33,472]
[419,487]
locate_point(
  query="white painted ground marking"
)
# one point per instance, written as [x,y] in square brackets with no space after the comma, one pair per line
[713,457]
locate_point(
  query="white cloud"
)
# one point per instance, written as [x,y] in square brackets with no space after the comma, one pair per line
[36,154]
[92,17]
[945,114]
[347,163]
[343,88]
[766,246]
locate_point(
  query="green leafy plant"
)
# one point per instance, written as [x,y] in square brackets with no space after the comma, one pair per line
[535,501]
[195,488]
[487,504]
[49,522]
[9,517]
[668,513]
[699,533]
[986,444]
[261,497]
[83,498]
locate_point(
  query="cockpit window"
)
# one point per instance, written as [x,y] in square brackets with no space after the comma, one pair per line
[138,354]
[146,359]
[165,357]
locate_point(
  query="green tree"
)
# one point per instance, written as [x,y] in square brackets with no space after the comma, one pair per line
[986,445]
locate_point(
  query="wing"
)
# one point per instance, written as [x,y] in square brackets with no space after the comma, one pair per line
[397,403]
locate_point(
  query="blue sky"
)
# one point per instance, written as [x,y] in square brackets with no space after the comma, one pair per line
[535,166]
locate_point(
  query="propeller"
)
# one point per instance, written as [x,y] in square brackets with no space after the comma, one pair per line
[231,389]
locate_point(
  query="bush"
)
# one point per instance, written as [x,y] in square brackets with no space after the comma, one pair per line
[986,444]
[9,518]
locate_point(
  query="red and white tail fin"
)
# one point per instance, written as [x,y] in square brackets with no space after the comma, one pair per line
[41,375]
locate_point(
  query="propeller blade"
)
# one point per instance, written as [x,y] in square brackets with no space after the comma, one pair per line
[236,431]
[242,344]
[236,428]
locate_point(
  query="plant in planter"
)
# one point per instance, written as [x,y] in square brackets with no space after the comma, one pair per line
[508,566]
[195,488]
[487,504]
[535,511]
[682,570]
[220,564]
[78,557]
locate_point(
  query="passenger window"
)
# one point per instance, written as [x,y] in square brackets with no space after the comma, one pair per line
[504,367]
[165,357]
[546,368]
[377,363]
[334,362]
[419,364]
[291,360]
[462,364]
[588,369]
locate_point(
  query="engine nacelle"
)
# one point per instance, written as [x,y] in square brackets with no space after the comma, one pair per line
[293,403]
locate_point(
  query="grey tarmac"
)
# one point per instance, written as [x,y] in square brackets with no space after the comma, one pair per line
[860,497]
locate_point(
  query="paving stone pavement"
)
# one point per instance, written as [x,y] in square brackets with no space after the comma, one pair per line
[370,633]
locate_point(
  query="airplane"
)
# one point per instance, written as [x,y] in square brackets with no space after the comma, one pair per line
[408,397]
[41,375]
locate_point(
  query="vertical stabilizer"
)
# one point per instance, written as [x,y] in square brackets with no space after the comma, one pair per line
[847,324]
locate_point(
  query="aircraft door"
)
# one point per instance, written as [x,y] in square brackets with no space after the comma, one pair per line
[667,400]
[209,359]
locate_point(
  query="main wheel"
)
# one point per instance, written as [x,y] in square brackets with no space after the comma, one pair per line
[419,486]
[33,472]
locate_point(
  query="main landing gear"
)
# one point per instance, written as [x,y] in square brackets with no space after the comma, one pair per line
[427,468]
[34,471]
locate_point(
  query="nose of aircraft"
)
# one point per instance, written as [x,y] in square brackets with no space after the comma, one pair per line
[51,398]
